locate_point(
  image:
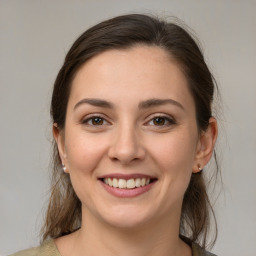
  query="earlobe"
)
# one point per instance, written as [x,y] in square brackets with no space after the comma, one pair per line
[206,145]
[59,139]
[197,168]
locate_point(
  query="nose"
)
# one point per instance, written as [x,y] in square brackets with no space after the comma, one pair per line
[126,146]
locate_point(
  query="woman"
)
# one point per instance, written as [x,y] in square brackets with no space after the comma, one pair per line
[133,130]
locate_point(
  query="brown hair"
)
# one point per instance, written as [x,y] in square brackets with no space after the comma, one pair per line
[64,210]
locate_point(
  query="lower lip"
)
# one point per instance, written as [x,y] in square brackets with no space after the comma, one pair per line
[119,192]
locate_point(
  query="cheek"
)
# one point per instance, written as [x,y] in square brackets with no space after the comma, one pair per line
[175,152]
[84,151]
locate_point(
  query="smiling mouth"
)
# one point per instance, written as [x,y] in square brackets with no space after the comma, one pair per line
[127,184]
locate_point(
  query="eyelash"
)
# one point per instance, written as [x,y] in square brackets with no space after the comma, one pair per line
[91,118]
[167,119]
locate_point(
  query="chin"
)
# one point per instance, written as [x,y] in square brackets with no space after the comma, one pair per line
[126,223]
[127,218]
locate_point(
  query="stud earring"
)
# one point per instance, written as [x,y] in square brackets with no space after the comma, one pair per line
[64,168]
[200,168]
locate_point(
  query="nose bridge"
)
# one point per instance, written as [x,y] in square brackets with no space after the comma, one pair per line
[127,144]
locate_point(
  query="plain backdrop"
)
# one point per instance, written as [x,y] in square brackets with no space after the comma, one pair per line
[34,38]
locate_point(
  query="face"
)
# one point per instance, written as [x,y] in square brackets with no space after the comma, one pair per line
[131,141]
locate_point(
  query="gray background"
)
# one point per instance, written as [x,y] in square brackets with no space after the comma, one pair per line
[34,37]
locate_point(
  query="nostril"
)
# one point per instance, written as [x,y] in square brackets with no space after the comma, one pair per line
[126,149]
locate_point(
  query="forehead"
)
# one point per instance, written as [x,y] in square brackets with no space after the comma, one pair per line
[139,72]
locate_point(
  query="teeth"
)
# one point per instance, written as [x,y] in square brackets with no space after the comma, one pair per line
[115,183]
[137,183]
[110,182]
[130,183]
[126,184]
[122,183]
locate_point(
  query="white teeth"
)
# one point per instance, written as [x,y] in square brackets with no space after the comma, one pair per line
[115,183]
[110,182]
[122,183]
[137,183]
[130,183]
[126,184]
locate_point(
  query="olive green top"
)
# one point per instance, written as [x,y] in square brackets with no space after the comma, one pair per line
[48,248]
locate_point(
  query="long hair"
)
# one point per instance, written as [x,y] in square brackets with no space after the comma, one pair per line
[123,32]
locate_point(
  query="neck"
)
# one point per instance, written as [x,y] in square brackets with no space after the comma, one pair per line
[98,238]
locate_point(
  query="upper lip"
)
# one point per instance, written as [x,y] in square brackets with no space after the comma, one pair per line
[126,176]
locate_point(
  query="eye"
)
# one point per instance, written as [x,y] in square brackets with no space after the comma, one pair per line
[161,121]
[95,121]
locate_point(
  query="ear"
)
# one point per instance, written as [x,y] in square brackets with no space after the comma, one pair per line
[205,146]
[60,141]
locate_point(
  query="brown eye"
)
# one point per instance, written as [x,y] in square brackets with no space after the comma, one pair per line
[159,121]
[97,121]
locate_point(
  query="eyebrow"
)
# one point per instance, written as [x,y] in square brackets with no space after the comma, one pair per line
[159,102]
[142,105]
[95,102]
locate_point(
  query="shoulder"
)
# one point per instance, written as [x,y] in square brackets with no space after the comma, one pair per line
[198,251]
[48,248]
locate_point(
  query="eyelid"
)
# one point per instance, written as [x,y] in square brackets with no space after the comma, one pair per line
[88,117]
[169,118]
[150,118]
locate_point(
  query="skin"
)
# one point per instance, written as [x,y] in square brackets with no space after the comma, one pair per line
[129,139]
